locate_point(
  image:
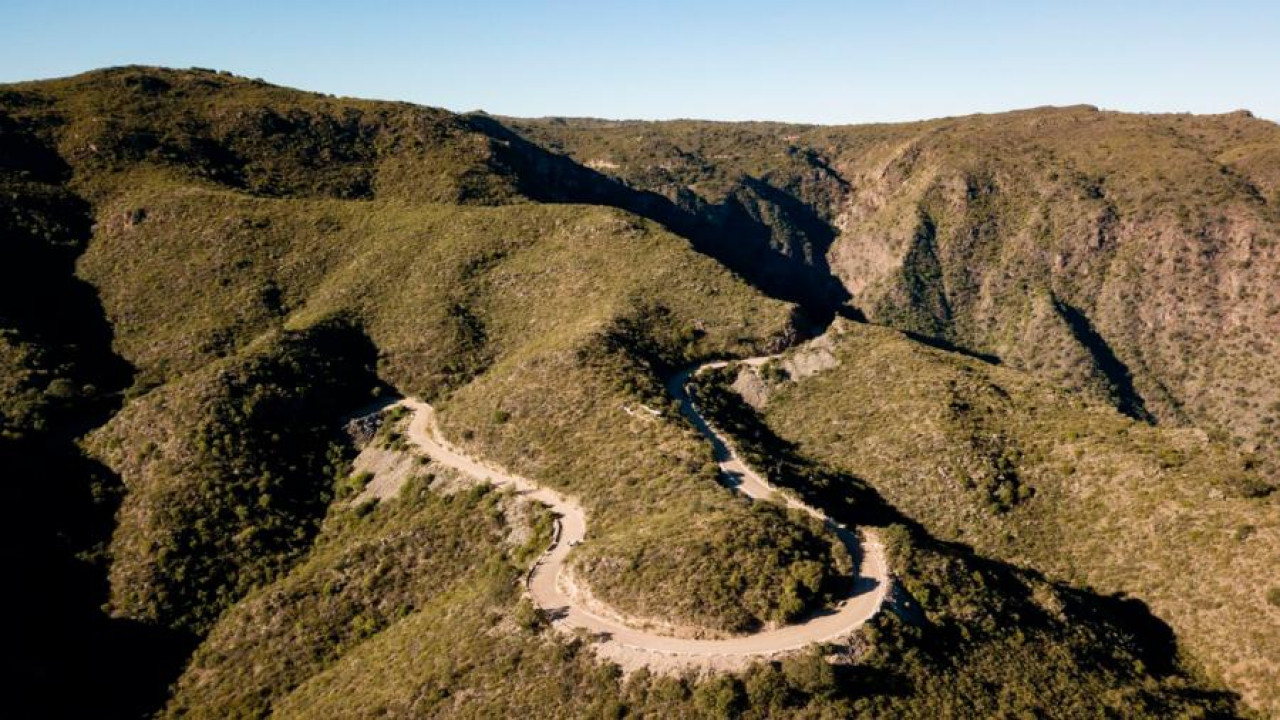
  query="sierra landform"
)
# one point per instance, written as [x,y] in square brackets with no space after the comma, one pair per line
[1033,355]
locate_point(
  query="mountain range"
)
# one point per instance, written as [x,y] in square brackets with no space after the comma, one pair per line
[1037,353]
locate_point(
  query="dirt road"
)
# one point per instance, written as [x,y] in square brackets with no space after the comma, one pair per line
[633,647]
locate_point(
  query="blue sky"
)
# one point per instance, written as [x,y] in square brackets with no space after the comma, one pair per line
[804,60]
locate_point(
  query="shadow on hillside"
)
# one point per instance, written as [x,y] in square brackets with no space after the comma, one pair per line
[1127,398]
[947,345]
[784,257]
[67,657]
[973,579]
[731,480]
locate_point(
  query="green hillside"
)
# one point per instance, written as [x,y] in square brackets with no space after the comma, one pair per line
[1043,478]
[1133,256]
[206,277]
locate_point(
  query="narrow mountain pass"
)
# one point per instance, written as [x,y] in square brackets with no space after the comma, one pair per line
[552,591]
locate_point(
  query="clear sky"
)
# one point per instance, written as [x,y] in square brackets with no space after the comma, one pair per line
[799,60]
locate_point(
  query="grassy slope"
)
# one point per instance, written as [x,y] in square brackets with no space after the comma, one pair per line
[1057,482]
[466,655]
[455,295]
[1129,255]
[1143,241]
[472,650]
[228,471]
[229,212]
[59,376]
[219,222]
[393,613]
[749,196]
[368,571]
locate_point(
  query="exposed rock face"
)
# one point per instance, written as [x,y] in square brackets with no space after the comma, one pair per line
[1131,257]
[1134,257]
[362,429]
[757,383]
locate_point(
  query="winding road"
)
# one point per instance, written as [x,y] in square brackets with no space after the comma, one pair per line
[634,647]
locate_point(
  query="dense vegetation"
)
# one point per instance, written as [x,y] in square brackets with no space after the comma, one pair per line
[229,471]
[204,276]
[449,292]
[59,376]
[223,251]
[1133,256]
[409,609]
[368,571]
[976,612]
[1048,479]
[693,565]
